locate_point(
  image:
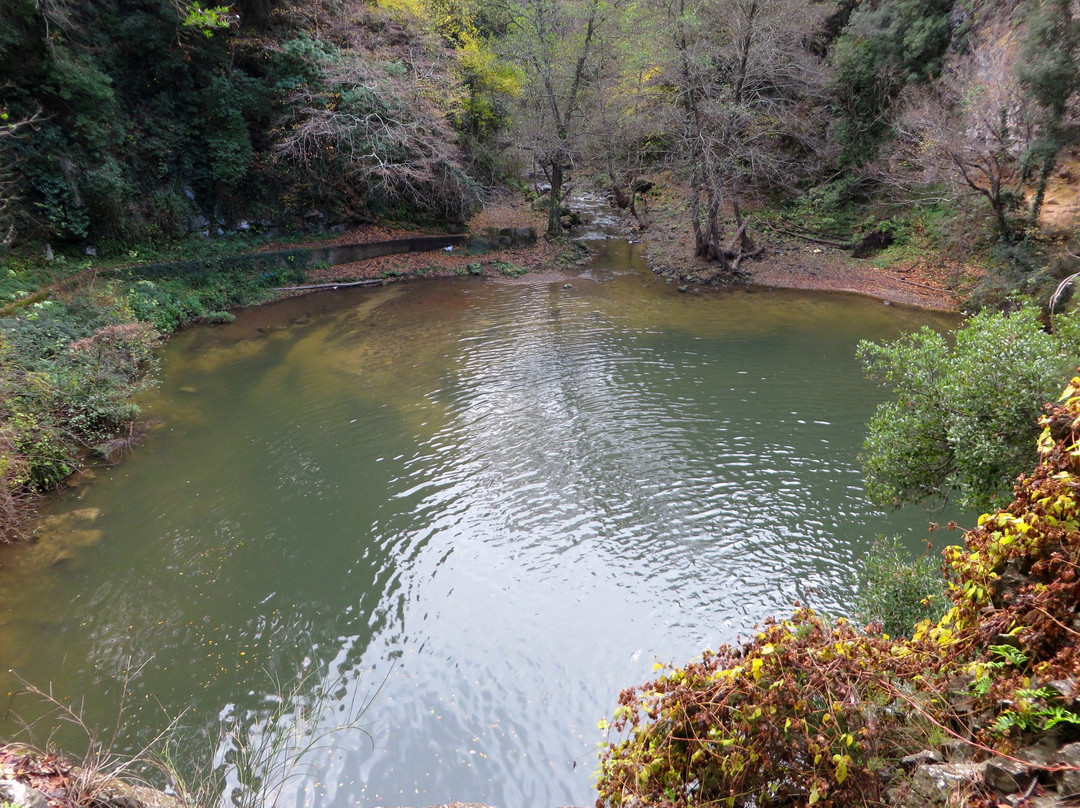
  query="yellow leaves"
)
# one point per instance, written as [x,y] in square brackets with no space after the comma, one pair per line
[1045,443]
[728,674]
[842,762]
[755,668]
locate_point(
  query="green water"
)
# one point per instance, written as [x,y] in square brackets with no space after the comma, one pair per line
[490,504]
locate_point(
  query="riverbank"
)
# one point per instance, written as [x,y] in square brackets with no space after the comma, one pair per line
[788,262]
[785,263]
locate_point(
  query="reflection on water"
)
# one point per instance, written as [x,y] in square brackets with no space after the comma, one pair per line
[491,505]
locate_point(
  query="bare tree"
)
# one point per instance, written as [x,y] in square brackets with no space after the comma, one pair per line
[745,81]
[629,124]
[982,131]
[363,127]
[557,44]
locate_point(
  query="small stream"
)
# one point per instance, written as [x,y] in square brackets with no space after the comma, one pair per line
[482,506]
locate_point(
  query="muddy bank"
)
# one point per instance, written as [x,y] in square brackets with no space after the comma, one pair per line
[790,263]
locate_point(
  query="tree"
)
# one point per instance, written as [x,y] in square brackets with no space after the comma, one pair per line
[1049,69]
[994,124]
[963,416]
[885,45]
[557,43]
[9,129]
[744,80]
[358,127]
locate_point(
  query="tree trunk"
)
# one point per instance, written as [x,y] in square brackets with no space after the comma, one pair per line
[746,244]
[1040,189]
[554,228]
[621,199]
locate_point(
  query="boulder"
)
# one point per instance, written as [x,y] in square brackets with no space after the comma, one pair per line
[118,794]
[22,795]
[938,783]
[912,762]
[1007,776]
[957,751]
[1068,781]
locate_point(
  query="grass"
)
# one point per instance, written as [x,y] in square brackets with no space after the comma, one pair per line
[252,759]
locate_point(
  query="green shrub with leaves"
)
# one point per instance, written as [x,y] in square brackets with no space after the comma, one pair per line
[886,45]
[965,407]
[67,373]
[898,590]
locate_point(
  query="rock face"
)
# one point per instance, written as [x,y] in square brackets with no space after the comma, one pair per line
[1008,781]
[940,783]
[22,795]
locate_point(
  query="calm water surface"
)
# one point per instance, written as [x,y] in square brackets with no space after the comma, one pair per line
[490,505]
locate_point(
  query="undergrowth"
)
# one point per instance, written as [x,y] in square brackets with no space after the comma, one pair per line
[898,591]
[71,363]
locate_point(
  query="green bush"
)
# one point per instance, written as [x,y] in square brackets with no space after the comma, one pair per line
[67,372]
[963,415]
[897,590]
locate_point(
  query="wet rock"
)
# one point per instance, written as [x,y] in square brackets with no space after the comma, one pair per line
[80,477]
[936,784]
[1007,776]
[912,762]
[116,794]
[22,795]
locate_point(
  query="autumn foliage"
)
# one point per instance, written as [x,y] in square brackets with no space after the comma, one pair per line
[808,712]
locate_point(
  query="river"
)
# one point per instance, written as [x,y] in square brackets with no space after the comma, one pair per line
[480,507]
